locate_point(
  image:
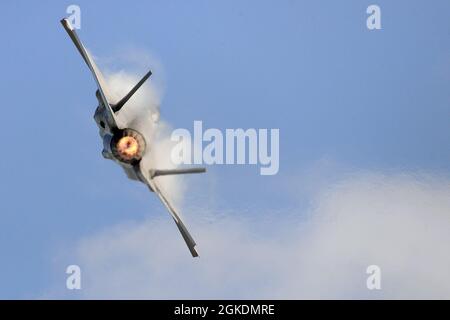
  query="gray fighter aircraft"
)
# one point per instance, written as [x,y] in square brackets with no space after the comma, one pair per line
[127,146]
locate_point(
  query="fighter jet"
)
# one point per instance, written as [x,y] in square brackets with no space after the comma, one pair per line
[127,146]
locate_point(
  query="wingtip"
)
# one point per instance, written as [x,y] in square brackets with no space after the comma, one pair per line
[66,23]
[194,253]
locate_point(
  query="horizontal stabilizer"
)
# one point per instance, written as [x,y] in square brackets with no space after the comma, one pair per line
[155,173]
[116,107]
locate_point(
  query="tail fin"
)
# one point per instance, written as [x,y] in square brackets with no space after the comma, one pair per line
[116,107]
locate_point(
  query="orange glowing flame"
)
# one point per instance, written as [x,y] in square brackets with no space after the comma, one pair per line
[128,147]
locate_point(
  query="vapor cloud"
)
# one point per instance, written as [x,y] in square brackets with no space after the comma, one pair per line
[399,222]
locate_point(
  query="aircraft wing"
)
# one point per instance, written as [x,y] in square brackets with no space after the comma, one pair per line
[184,232]
[98,77]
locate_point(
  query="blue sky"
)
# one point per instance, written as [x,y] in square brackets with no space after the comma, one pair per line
[371,100]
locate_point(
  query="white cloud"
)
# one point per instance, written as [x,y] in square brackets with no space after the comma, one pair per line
[398,222]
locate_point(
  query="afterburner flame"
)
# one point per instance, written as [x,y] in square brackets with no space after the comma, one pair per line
[128,147]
